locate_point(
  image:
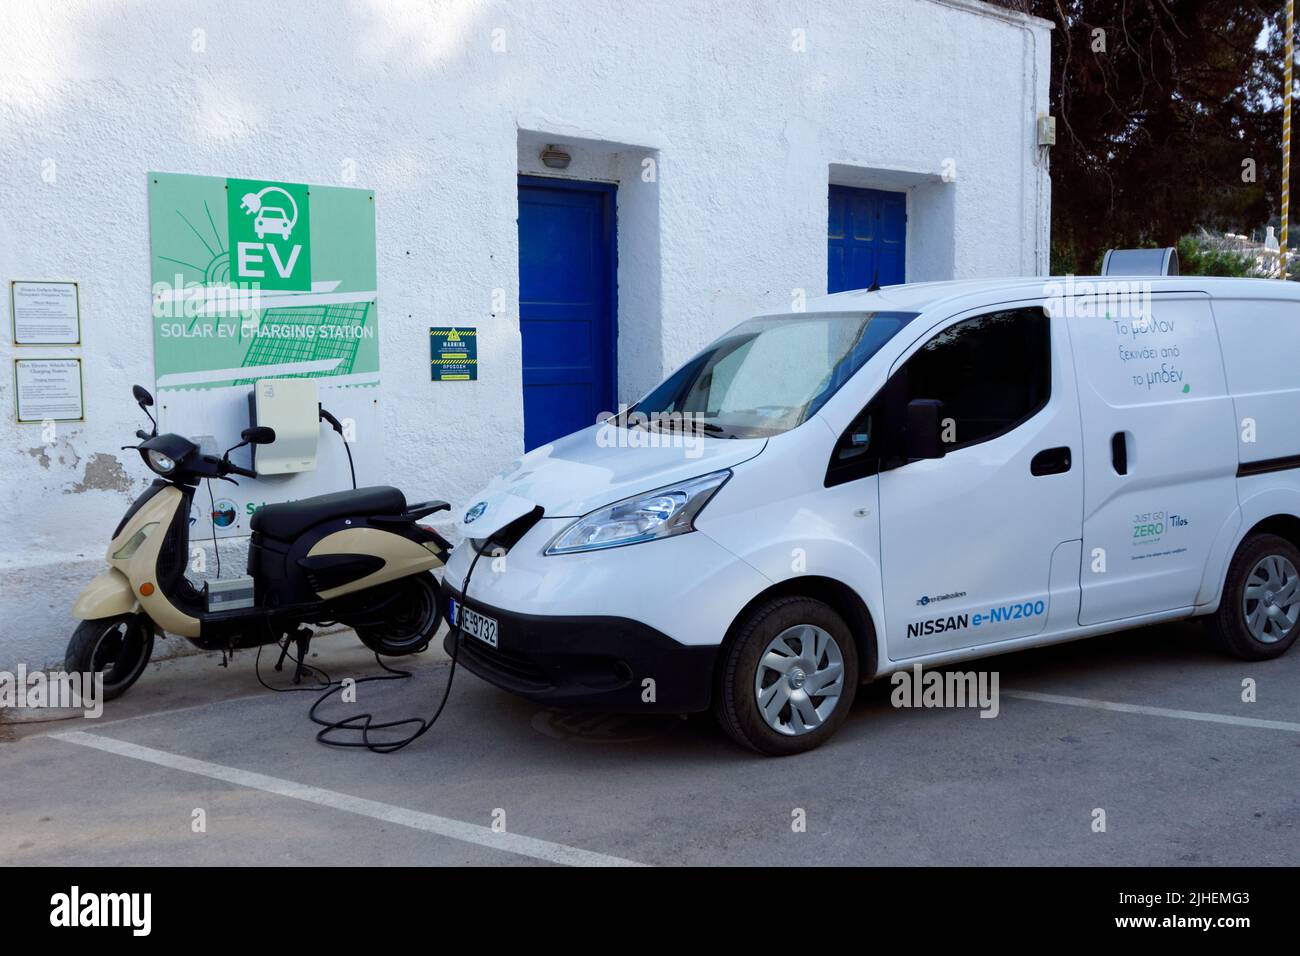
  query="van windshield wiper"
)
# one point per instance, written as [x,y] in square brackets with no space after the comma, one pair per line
[671,421]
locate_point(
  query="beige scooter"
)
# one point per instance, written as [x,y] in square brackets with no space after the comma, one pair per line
[355,557]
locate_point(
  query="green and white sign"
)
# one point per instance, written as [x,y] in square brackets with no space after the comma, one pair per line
[257,278]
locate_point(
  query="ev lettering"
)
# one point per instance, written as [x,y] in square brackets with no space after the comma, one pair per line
[250,260]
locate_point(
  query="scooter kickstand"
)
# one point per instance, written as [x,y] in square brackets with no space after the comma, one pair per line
[302,640]
[284,652]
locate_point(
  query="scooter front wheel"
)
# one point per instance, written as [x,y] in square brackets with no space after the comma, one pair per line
[411,625]
[117,647]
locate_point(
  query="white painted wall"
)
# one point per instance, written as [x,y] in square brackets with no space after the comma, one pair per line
[745,130]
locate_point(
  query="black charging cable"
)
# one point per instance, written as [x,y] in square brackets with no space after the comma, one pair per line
[365,723]
[323,680]
[212,519]
[335,424]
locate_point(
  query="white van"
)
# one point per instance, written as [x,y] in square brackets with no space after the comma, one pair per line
[927,473]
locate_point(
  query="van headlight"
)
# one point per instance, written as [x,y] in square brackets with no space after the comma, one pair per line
[656,514]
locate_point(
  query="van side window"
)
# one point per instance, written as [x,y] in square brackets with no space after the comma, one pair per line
[991,372]
[866,442]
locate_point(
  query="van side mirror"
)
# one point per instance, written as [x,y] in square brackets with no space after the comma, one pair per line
[922,437]
[258,435]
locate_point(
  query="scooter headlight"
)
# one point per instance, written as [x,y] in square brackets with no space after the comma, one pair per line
[161,463]
[661,513]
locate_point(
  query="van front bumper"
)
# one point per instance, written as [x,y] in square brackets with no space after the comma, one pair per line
[592,663]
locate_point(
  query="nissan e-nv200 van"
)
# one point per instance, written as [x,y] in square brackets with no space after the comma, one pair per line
[917,475]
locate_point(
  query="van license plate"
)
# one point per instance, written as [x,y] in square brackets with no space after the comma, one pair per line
[475,624]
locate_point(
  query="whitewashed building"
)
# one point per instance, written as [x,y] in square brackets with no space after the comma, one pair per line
[705,161]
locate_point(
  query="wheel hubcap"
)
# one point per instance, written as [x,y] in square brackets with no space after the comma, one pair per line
[1271,601]
[799,680]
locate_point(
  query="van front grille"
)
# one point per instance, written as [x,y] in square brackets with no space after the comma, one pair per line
[511,668]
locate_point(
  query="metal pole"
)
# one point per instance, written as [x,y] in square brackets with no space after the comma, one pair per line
[1286,134]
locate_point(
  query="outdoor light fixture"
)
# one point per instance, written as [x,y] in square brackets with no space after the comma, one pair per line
[555,158]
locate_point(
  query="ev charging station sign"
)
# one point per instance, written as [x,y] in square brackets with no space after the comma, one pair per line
[257,279]
[270,233]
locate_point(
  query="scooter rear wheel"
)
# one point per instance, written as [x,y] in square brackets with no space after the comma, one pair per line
[118,647]
[413,621]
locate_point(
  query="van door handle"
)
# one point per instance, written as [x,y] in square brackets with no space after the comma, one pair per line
[1119,453]
[1051,461]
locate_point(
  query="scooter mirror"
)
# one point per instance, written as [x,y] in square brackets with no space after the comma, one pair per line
[259,435]
[142,396]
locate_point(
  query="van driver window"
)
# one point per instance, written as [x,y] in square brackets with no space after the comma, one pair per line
[991,372]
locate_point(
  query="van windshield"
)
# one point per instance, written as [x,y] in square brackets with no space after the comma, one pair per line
[769,374]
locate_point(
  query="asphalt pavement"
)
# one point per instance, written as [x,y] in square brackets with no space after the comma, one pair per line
[201,765]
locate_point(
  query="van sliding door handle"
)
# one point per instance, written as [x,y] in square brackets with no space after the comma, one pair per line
[1050,461]
[1119,453]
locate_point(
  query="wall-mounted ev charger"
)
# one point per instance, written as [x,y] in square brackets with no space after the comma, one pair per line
[292,407]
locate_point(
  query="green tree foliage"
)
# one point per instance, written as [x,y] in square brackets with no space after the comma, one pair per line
[1197,256]
[1168,118]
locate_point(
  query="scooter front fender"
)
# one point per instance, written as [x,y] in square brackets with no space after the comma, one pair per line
[107,595]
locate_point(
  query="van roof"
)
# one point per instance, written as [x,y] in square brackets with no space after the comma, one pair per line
[919,296]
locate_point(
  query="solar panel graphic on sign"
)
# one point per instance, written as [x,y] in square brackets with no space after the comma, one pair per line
[309,333]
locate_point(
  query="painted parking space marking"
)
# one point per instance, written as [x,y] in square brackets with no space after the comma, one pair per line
[1155,711]
[415,819]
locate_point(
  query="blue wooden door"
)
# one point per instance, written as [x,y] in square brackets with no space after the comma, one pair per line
[566,305]
[866,238]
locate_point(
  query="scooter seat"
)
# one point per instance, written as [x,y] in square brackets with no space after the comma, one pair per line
[286,521]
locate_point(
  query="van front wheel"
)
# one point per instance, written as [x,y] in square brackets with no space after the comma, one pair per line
[787,681]
[1258,614]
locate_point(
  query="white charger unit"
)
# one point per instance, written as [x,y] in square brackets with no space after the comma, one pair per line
[292,407]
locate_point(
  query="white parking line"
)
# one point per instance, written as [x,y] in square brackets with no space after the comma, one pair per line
[415,819]
[1154,711]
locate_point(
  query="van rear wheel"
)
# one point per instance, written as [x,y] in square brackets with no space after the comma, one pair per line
[1259,614]
[787,681]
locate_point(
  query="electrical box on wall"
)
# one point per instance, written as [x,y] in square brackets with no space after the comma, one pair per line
[1047,130]
[291,406]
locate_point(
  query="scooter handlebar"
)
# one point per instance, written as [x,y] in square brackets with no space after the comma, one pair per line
[235,469]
